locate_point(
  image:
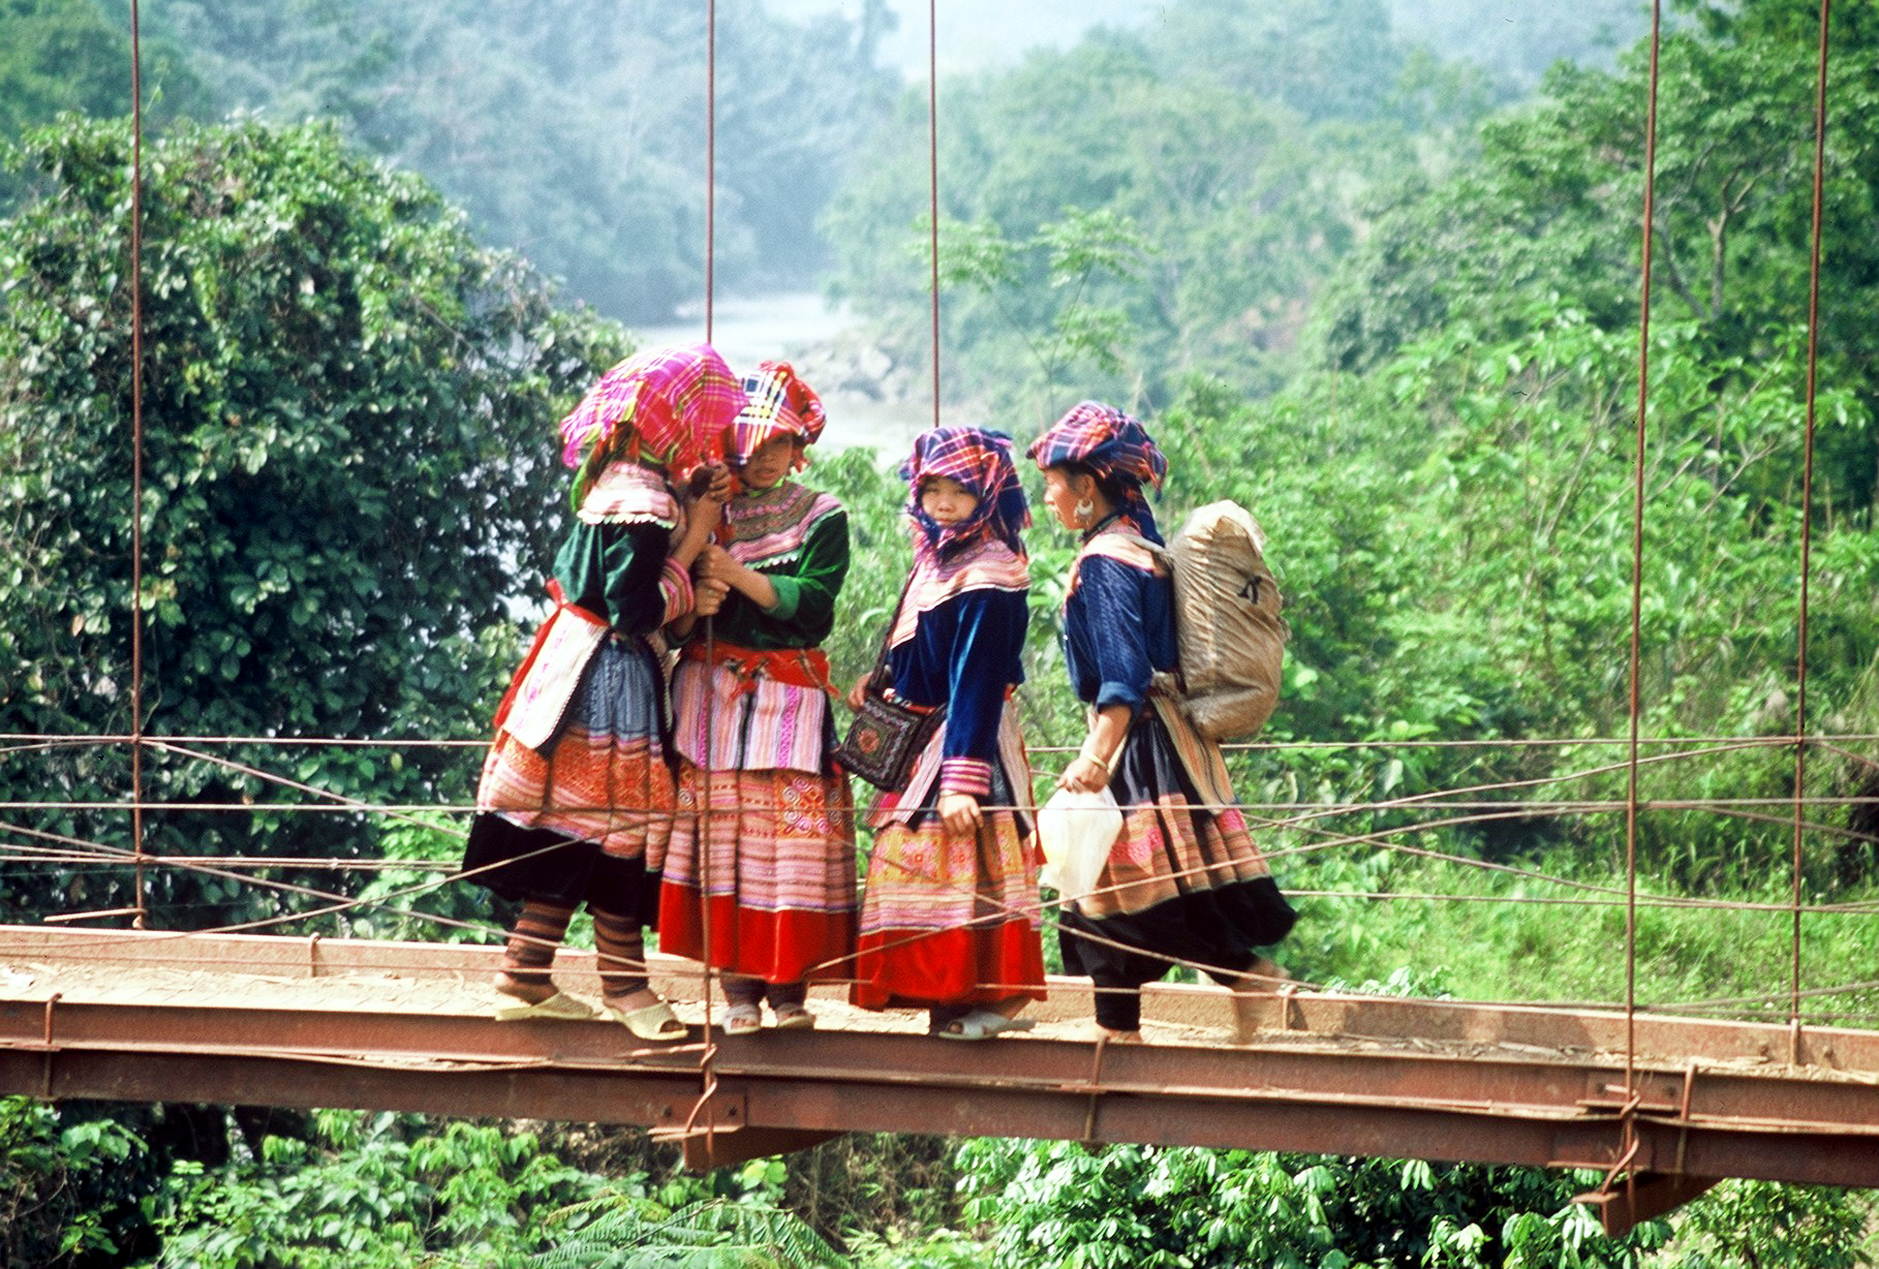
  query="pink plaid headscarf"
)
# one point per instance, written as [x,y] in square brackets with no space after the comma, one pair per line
[779,404]
[677,400]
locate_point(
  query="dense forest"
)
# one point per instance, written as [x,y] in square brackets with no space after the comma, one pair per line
[1384,293]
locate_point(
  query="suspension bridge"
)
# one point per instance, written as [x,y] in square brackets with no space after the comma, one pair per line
[1660,1104]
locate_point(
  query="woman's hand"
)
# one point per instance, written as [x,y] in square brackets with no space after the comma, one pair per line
[858,693]
[960,813]
[1085,775]
[716,563]
[708,596]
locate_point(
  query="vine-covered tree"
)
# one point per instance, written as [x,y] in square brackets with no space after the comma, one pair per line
[348,458]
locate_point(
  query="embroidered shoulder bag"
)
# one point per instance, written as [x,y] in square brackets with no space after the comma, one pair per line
[888,734]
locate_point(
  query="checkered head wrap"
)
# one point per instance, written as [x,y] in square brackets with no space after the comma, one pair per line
[780,404]
[979,459]
[676,401]
[1116,447]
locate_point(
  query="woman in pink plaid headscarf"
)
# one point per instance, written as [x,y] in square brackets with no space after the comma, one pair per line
[576,799]
[1184,881]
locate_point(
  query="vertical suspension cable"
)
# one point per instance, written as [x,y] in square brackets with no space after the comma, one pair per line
[1807,517]
[711,159]
[702,835]
[932,161]
[1637,575]
[141,918]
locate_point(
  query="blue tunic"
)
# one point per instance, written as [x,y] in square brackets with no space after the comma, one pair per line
[965,652]
[1118,629]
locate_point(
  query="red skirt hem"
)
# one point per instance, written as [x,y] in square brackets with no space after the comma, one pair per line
[922,968]
[786,946]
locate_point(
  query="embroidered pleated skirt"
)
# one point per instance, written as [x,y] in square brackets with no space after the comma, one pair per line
[1184,881]
[781,833]
[950,919]
[587,816]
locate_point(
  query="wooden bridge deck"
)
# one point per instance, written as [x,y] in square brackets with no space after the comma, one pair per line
[400,1026]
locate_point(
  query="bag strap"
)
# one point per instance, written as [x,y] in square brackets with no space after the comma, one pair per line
[880,662]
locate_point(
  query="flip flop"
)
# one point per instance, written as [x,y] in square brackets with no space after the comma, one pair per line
[795,1018]
[743,1019]
[559,1007]
[653,1022]
[983,1024]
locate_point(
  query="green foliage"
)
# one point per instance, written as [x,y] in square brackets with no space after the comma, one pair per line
[1074,256]
[407,902]
[1547,217]
[68,55]
[366,1191]
[617,1231]
[575,130]
[61,1170]
[1754,1225]
[1177,194]
[1061,1204]
[348,457]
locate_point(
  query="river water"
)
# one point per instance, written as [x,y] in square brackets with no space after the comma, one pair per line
[800,327]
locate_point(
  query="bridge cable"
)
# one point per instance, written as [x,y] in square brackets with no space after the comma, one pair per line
[1629,1141]
[1807,518]
[141,919]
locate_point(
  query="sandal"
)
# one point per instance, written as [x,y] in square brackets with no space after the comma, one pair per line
[794,1018]
[743,1019]
[983,1024]
[559,1007]
[652,1022]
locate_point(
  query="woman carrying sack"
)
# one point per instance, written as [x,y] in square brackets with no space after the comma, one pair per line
[950,917]
[1184,881]
[576,798]
[751,703]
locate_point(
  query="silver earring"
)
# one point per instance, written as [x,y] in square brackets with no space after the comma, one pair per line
[1084,511]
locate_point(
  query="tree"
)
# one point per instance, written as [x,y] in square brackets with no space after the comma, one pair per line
[1548,216]
[1231,143]
[66,55]
[1058,1204]
[573,129]
[348,460]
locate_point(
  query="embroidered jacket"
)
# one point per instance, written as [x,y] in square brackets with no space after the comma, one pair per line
[960,643]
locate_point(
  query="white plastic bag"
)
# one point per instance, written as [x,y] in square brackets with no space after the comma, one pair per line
[1076,830]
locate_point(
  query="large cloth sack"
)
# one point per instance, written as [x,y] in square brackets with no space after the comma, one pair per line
[1227,622]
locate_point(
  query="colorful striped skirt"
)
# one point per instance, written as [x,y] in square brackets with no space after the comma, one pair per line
[782,856]
[951,919]
[1184,881]
[588,816]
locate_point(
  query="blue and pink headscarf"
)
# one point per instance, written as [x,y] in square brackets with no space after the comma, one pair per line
[980,460]
[778,403]
[1116,447]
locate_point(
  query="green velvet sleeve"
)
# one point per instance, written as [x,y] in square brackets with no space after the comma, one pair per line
[806,589]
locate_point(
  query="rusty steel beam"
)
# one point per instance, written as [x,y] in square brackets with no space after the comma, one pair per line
[1644,1197]
[1485,1083]
[1418,1079]
[1509,1111]
[781,1113]
[1385,1018]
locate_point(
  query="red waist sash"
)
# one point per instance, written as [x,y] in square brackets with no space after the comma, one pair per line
[798,667]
